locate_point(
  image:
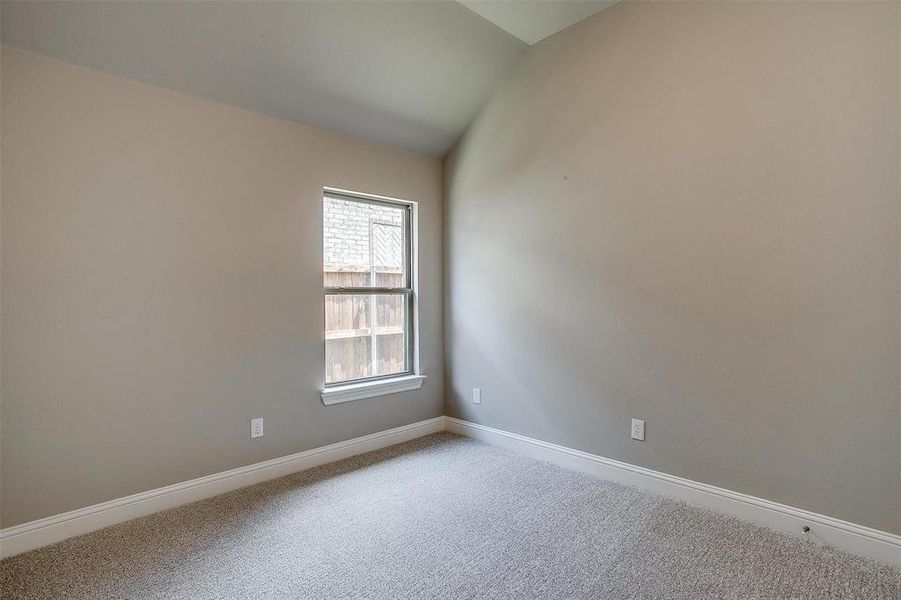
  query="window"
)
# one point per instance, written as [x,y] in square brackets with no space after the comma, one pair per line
[370,297]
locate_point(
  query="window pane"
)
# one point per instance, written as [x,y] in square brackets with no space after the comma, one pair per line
[363,244]
[354,349]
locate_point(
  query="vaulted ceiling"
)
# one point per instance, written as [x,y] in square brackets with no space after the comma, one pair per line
[533,20]
[407,74]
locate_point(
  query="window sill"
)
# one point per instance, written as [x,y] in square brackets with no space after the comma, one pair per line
[369,389]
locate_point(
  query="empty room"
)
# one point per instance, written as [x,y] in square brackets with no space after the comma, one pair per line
[447,299]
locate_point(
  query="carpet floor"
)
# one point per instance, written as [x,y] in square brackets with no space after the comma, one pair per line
[441,517]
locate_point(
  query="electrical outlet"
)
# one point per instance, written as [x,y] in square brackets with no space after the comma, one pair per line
[638,430]
[256,428]
[477,395]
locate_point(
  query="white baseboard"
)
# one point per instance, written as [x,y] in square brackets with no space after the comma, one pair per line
[872,543]
[857,539]
[28,536]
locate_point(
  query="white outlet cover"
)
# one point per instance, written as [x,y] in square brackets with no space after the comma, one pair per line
[638,430]
[256,428]
[477,395]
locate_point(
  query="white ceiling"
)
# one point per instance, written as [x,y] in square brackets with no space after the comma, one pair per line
[533,20]
[408,74]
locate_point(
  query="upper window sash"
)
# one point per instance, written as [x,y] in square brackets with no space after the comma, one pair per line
[407,229]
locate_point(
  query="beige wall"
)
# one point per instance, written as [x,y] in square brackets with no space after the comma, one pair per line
[161,285]
[689,213]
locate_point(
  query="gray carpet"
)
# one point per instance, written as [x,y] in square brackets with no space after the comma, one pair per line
[440,517]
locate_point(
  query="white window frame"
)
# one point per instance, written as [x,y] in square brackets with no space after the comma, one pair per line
[347,391]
